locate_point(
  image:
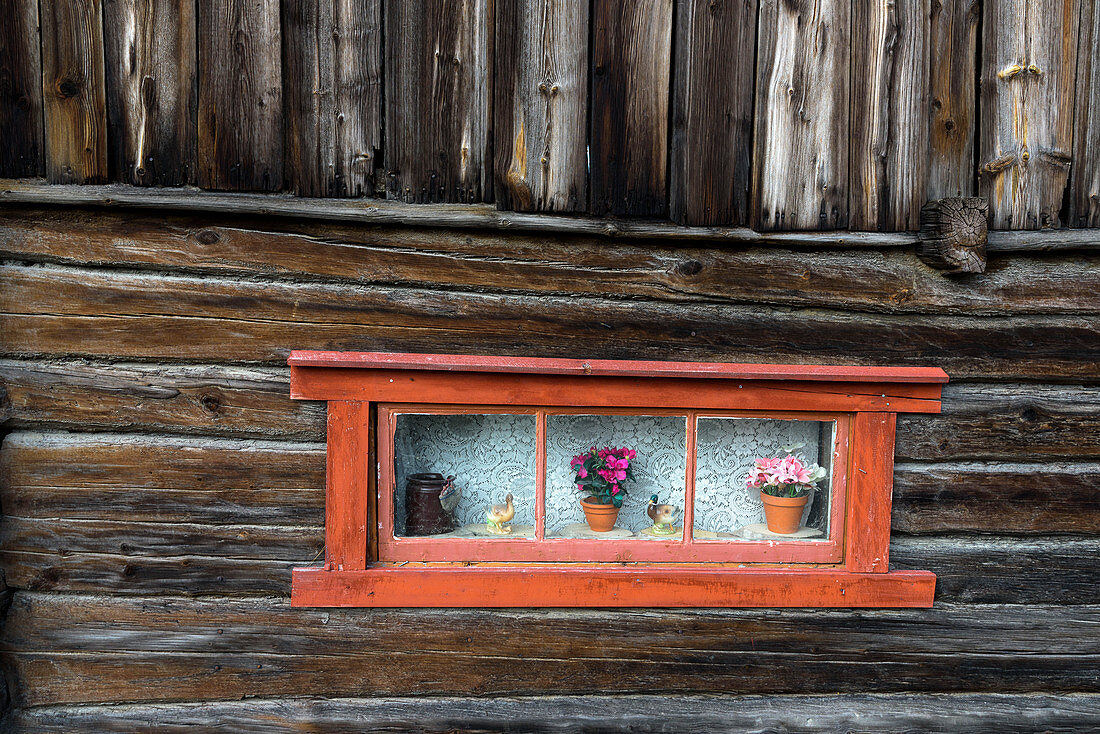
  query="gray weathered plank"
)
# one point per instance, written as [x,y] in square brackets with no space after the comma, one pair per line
[979,422]
[67,311]
[710,158]
[998,570]
[1028,79]
[158,479]
[456,216]
[163,540]
[21,149]
[65,649]
[642,714]
[1009,422]
[953,62]
[240,119]
[193,399]
[889,161]
[1034,499]
[972,569]
[332,65]
[73,90]
[438,91]
[1084,199]
[541,105]
[892,281]
[152,91]
[628,138]
[800,160]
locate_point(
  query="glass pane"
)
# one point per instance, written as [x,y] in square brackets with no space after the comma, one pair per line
[659,468]
[489,456]
[726,449]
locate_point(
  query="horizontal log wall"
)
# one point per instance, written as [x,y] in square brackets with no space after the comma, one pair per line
[158,485]
[819,116]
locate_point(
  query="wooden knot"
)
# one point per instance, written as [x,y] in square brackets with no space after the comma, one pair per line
[207,236]
[953,234]
[688,268]
[68,87]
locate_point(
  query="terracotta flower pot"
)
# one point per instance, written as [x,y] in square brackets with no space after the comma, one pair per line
[601,518]
[784,514]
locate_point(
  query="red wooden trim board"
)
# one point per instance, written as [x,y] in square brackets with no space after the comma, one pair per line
[597,367]
[638,586]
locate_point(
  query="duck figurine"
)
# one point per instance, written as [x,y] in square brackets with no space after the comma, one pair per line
[662,517]
[497,515]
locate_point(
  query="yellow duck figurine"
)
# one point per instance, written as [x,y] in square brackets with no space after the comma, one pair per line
[497,515]
[662,517]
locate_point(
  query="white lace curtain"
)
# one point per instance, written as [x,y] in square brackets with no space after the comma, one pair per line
[494,454]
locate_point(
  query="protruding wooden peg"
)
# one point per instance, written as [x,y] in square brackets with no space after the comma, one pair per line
[953,234]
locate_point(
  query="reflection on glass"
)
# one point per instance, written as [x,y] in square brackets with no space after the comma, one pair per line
[486,457]
[726,449]
[659,467]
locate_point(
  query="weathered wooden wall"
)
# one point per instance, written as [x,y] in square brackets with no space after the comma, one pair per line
[779,115]
[158,484]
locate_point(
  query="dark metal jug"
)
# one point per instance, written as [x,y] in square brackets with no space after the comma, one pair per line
[424,515]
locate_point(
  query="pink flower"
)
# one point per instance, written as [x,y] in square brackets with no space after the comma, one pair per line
[582,472]
[620,475]
[614,489]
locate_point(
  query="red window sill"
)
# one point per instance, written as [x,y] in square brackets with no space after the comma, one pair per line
[588,586]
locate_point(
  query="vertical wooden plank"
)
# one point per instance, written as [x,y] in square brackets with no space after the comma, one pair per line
[332,83]
[437,89]
[631,49]
[151,90]
[953,54]
[869,493]
[800,161]
[240,95]
[20,90]
[347,491]
[1084,200]
[710,159]
[540,103]
[73,92]
[888,164]
[1029,55]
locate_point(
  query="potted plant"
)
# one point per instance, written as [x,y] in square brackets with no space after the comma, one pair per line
[784,485]
[601,474]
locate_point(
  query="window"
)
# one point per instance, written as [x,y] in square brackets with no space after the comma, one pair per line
[421,445]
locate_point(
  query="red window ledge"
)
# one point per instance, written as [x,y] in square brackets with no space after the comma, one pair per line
[352,576]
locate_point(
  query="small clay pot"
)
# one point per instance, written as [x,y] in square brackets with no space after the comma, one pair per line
[601,518]
[784,514]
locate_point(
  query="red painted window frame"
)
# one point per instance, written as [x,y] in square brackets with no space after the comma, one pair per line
[361,388]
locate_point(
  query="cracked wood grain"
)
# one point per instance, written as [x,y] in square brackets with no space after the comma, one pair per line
[332,65]
[630,96]
[152,91]
[800,161]
[541,105]
[21,149]
[240,95]
[73,90]
[438,91]
[1029,66]
[889,163]
[710,158]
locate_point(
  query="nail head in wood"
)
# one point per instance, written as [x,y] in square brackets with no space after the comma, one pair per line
[953,234]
